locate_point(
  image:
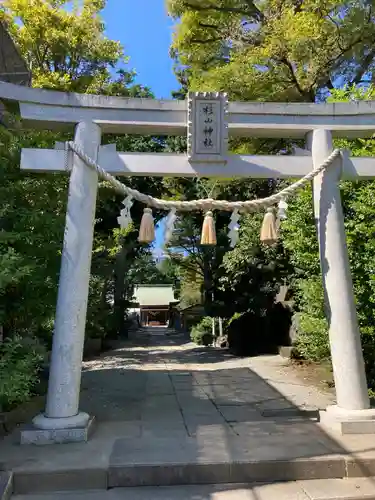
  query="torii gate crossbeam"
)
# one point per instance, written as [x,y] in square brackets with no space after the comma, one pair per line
[57,110]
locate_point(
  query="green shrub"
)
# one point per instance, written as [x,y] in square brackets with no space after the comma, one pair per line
[98,311]
[368,347]
[191,321]
[312,338]
[312,341]
[20,362]
[201,333]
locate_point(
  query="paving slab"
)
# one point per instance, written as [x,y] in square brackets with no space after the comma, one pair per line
[222,492]
[340,489]
[336,489]
[242,413]
[171,413]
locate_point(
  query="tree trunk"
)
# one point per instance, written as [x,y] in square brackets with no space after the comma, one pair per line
[119,293]
[103,298]
[207,282]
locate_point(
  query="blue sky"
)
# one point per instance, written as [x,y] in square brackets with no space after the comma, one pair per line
[145,30]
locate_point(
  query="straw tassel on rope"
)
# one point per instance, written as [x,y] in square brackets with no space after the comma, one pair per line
[269,231]
[208,236]
[147,229]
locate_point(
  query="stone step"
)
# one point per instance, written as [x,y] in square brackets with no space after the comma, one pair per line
[328,489]
[118,475]
[127,475]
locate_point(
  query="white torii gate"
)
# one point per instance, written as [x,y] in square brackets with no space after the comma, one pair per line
[207,156]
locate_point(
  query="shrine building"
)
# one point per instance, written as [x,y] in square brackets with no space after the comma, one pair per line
[155,304]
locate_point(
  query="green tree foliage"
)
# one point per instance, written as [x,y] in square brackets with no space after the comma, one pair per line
[33,208]
[199,264]
[32,217]
[147,271]
[170,273]
[251,273]
[121,248]
[66,49]
[275,50]
[19,364]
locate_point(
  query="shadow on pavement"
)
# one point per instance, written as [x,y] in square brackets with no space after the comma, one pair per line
[173,404]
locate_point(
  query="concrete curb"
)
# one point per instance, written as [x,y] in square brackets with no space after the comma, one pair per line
[28,482]
[218,473]
[338,467]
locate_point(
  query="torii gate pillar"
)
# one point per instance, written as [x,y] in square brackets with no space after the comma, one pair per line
[352,412]
[62,420]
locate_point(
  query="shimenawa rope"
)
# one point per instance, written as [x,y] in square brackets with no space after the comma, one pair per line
[203,204]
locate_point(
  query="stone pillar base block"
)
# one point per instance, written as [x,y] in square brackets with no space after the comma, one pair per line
[37,436]
[349,421]
[286,351]
[51,423]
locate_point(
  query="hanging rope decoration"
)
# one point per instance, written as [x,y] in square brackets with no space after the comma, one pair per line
[271,222]
[125,218]
[169,225]
[208,236]
[269,230]
[281,212]
[234,228]
[147,228]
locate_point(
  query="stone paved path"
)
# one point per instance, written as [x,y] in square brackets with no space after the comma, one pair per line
[170,413]
[166,384]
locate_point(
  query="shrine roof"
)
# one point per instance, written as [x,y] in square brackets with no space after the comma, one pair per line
[154,295]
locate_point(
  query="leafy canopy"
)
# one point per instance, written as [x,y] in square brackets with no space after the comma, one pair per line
[66,49]
[274,50]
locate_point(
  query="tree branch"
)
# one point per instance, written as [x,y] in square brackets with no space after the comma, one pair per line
[187,265]
[288,64]
[254,8]
[235,10]
[363,67]
[344,51]
[331,62]
[329,84]
[338,31]
[207,40]
[208,26]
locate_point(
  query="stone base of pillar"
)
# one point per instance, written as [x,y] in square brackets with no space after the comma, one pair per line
[45,430]
[49,423]
[349,421]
